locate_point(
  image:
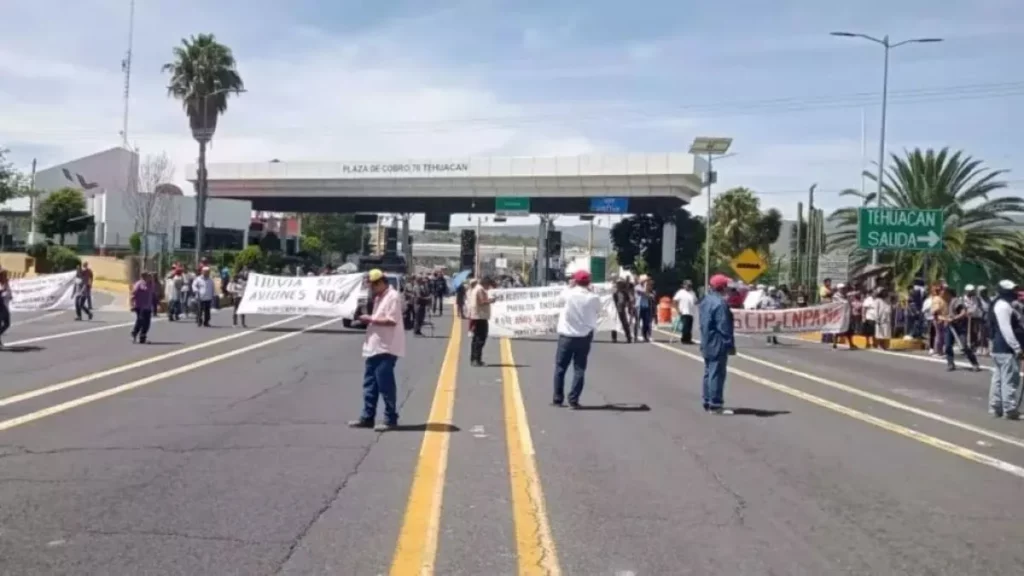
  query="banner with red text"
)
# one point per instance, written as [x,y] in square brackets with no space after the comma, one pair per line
[334,296]
[830,318]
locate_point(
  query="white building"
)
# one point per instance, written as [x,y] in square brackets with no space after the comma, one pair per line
[105,177]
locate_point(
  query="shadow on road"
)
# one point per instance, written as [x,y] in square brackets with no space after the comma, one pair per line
[616,407]
[162,343]
[428,427]
[758,412]
[293,329]
[17,349]
[500,365]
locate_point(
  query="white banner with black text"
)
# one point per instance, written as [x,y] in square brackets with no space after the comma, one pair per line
[334,296]
[46,292]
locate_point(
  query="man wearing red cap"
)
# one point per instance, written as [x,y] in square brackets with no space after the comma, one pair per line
[576,324]
[717,343]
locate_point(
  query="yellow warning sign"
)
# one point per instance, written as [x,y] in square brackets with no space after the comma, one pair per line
[748,265]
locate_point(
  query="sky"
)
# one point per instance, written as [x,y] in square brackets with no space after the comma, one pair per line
[363,80]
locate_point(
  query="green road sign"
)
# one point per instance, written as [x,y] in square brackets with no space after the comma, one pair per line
[899,229]
[511,205]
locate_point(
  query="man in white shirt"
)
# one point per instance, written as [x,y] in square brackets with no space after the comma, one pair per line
[1007,331]
[576,324]
[480,319]
[686,303]
[383,346]
[205,292]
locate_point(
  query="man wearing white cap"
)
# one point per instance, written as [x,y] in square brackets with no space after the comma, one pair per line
[1006,328]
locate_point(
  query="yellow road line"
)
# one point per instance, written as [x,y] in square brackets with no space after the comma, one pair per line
[932,441]
[131,365]
[1013,441]
[416,551]
[534,543]
[57,409]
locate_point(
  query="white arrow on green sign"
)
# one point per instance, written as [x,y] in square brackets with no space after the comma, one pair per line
[900,229]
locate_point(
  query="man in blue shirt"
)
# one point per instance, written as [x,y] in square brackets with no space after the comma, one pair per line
[717,343]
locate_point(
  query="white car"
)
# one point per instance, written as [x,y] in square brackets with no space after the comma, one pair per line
[397,281]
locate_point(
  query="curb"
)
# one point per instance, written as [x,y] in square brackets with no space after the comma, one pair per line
[895,344]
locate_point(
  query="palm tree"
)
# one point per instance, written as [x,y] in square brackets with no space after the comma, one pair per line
[979,228]
[203,75]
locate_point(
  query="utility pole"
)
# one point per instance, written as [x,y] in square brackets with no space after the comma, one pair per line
[126,67]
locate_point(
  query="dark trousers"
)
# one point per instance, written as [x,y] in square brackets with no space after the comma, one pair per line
[643,323]
[5,317]
[574,350]
[421,317]
[143,318]
[714,381]
[951,338]
[438,305]
[686,333]
[379,381]
[174,309]
[476,347]
[82,305]
[203,315]
[460,305]
[234,315]
[624,321]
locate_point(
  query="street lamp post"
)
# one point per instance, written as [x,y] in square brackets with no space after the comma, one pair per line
[203,136]
[887,45]
[710,147]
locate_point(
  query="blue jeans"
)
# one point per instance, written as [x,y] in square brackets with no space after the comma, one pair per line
[644,316]
[575,350]
[379,380]
[1004,391]
[714,381]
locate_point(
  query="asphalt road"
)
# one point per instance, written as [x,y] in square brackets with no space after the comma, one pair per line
[225,451]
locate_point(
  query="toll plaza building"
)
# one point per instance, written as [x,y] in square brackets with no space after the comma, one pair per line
[513,186]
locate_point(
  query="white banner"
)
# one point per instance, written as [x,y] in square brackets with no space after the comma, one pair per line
[521,312]
[335,296]
[827,318]
[46,292]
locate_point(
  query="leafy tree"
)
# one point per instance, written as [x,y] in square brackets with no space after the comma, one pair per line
[336,232]
[270,242]
[979,227]
[61,259]
[12,182]
[203,75]
[738,224]
[135,242]
[312,245]
[638,242]
[61,213]
[250,257]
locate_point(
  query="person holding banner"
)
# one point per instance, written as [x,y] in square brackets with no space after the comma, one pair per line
[576,325]
[480,319]
[6,295]
[383,345]
[717,343]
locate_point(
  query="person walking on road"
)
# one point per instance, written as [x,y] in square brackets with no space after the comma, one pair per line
[686,302]
[422,294]
[1007,331]
[205,292]
[82,298]
[237,290]
[440,289]
[174,287]
[576,325]
[383,345]
[143,303]
[644,308]
[479,318]
[956,331]
[717,343]
[6,295]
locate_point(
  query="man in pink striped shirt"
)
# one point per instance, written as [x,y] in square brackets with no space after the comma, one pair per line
[383,346]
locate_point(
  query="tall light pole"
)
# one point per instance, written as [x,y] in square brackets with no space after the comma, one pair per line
[709,147]
[203,136]
[887,45]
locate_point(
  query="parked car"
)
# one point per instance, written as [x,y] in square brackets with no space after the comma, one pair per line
[365,306]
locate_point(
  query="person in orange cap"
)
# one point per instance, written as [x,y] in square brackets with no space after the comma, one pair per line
[717,343]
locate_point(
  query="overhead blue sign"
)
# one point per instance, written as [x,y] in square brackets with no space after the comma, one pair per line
[609,205]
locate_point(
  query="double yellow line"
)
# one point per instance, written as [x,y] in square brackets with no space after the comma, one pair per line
[416,551]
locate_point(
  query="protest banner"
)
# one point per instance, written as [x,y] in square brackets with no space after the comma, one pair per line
[47,292]
[335,296]
[522,312]
[832,318]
